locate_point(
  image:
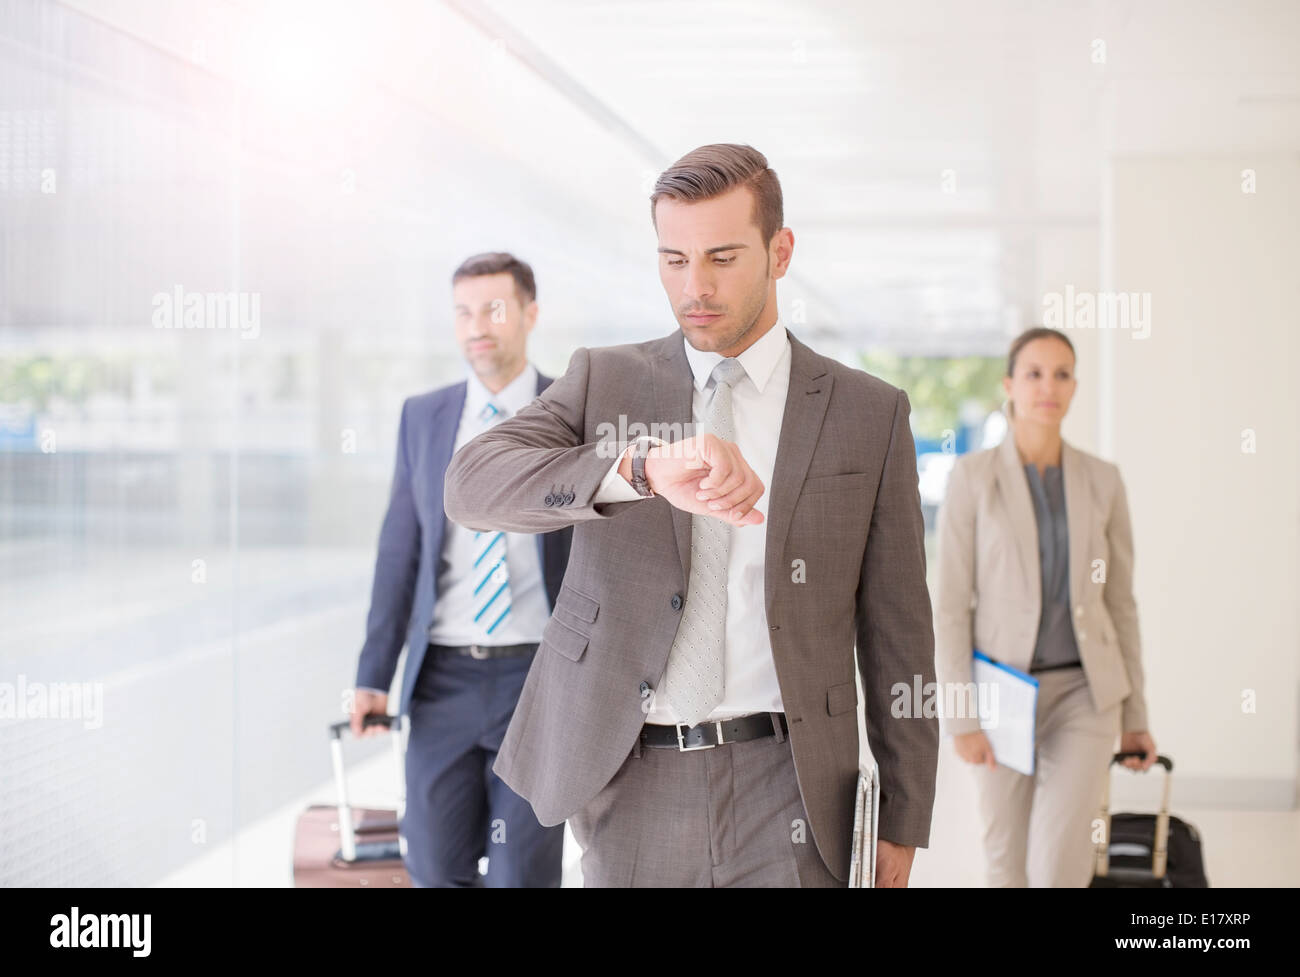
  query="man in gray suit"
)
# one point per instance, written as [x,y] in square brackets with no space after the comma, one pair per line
[692,707]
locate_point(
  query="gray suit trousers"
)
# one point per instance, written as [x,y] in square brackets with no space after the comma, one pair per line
[727,816]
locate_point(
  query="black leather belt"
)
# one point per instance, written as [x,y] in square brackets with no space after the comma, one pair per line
[485,651]
[710,734]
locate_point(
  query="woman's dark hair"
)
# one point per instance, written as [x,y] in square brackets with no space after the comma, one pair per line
[1028,336]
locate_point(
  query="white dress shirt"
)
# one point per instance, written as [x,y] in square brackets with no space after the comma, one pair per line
[453,612]
[758,404]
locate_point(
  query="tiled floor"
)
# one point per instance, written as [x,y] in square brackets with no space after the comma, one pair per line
[1242,848]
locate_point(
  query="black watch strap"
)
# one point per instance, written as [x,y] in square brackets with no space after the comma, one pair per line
[639,480]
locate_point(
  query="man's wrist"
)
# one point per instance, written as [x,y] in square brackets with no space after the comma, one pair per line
[625,463]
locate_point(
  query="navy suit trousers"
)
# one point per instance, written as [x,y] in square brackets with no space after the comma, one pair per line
[457,809]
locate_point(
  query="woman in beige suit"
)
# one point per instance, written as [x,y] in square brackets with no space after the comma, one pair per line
[1036,571]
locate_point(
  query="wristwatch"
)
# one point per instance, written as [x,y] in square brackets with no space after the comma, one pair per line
[639,481]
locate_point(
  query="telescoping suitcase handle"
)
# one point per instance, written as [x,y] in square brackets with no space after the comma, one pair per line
[348,848]
[1160,850]
[1161,759]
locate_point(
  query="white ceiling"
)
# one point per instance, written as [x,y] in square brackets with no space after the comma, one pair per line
[861,107]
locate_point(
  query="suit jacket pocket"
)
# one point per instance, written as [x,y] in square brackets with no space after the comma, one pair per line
[848,482]
[841,698]
[559,637]
[575,609]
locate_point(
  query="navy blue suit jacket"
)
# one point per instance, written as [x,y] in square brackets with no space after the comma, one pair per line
[410,542]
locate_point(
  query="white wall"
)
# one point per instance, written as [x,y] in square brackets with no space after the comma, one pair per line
[1217,543]
[1067,258]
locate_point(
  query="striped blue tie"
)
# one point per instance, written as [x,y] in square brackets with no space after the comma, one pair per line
[492,576]
[491,572]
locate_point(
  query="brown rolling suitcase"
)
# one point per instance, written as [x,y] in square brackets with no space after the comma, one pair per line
[338,846]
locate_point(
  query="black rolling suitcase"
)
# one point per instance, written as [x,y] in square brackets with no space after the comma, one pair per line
[1147,851]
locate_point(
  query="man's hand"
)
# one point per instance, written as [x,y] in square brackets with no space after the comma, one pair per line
[364,704]
[893,864]
[706,476]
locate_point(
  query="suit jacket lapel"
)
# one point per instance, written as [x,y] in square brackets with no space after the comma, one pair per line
[1078,512]
[446,423]
[1014,487]
[805,408]
[801,423]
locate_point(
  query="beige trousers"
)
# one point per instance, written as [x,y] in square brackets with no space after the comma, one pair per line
[1038,829]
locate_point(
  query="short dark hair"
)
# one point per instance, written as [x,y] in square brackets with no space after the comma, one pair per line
[712,170]
[1028,336]
[496,263]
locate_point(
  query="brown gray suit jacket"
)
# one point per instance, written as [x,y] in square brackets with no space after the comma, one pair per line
[843,499]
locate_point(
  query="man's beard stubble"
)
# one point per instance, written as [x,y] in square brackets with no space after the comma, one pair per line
[749,318]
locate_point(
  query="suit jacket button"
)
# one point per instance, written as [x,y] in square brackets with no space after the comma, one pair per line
[550,499]
[568,498]
[676,602]
[645,689]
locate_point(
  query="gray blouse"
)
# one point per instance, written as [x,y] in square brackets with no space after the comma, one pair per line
[1056,646]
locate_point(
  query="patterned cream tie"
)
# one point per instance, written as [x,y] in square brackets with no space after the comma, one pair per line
[693,680]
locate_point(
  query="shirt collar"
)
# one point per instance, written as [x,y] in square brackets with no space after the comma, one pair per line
[514,396]
[759,360]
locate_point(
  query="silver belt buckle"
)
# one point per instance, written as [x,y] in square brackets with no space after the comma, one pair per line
[478,651]
[681,739]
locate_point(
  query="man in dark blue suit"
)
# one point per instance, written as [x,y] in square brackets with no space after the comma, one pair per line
[470,607]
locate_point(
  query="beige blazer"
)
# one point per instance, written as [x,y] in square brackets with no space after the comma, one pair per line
[989,589]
